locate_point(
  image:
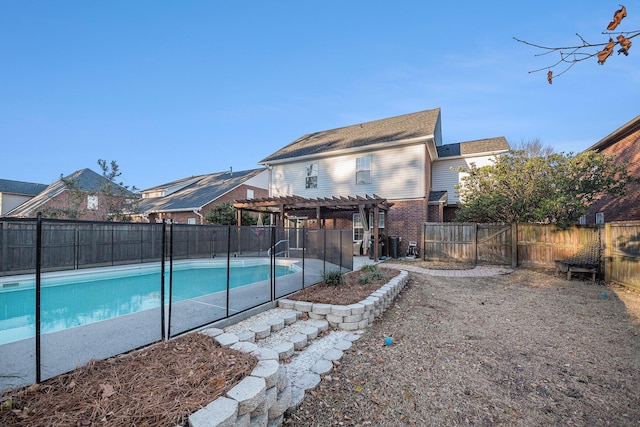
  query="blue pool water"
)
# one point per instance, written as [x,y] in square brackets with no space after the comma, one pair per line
[84,297]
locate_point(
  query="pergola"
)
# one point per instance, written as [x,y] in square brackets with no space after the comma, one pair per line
[323,207]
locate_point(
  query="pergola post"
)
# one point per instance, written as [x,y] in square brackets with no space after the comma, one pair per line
[238,240]
[318,217]
[277,206]
[376,233]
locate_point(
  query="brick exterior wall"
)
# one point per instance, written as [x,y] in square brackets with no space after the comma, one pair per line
[61,201]
[405,219]
[627,207]
[450,213]
[436,213]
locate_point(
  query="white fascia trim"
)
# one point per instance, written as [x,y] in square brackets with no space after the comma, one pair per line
[364,148]
[487,153]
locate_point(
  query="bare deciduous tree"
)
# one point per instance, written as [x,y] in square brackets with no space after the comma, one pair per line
[534,148]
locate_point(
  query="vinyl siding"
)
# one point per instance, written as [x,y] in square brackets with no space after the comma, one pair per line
[445,179]
[10,201]
[397,173]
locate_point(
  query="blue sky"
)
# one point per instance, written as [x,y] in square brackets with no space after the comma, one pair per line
[170,89]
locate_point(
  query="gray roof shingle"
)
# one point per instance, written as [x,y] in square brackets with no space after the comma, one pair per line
[203,190]
[414,125]
[438,197]
[468,148]
[21,187]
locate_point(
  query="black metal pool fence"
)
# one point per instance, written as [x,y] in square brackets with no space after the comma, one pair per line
[37,247]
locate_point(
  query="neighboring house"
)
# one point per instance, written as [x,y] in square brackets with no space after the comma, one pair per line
[15,193]
[401,159]
[624,146]
[88,200]
[188,200]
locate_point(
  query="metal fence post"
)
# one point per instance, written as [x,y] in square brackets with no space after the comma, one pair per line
[162,262]
[170,276]
[304,250]
[272,263]
[228,266]
[76,249]
[38,288]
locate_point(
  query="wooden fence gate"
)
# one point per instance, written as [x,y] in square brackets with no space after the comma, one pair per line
[494,244]
[469,242]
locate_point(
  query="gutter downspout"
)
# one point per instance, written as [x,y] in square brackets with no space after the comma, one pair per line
[195,211]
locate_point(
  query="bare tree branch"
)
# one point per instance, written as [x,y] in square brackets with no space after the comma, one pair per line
[571,55]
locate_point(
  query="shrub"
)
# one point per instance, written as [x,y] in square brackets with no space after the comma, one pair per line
[365,280]
[333,277]
[378,275]
[373,273]
[370,267]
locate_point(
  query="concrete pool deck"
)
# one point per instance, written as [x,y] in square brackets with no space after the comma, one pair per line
[64,350]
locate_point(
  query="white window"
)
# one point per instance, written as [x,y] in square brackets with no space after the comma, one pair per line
[358,229]
[311,179]
[250,193]
[600,218]
[92,202]
[363,170]
[191,221]
[583,220]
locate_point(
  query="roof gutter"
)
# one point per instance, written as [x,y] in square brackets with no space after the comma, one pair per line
[464,156]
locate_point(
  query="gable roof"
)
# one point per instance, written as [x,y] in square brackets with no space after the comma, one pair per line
[438,197]
[420,125]
[87,181]
[21,187]
[199,191]
[469,148]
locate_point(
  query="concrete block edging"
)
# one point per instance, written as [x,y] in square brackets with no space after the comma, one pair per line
[261,399]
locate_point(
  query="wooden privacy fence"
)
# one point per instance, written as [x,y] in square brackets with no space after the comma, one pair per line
[622,253]
[615,246]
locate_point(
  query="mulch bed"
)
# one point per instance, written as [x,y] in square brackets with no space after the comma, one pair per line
[160,385]
[350,292]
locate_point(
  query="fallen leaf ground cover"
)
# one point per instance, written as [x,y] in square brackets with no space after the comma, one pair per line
[526,349]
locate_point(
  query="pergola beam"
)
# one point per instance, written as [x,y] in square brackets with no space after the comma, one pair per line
[279,206]
[292,203]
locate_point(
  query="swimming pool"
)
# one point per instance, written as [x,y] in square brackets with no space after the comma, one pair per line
[80,297]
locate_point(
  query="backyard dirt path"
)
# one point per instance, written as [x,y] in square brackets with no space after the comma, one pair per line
[525,349]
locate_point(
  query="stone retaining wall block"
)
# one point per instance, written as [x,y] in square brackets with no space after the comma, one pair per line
[249,393]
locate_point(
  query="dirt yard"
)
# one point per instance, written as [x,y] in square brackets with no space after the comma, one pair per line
[526,349]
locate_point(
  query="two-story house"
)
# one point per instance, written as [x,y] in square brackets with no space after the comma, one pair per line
[398,162]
